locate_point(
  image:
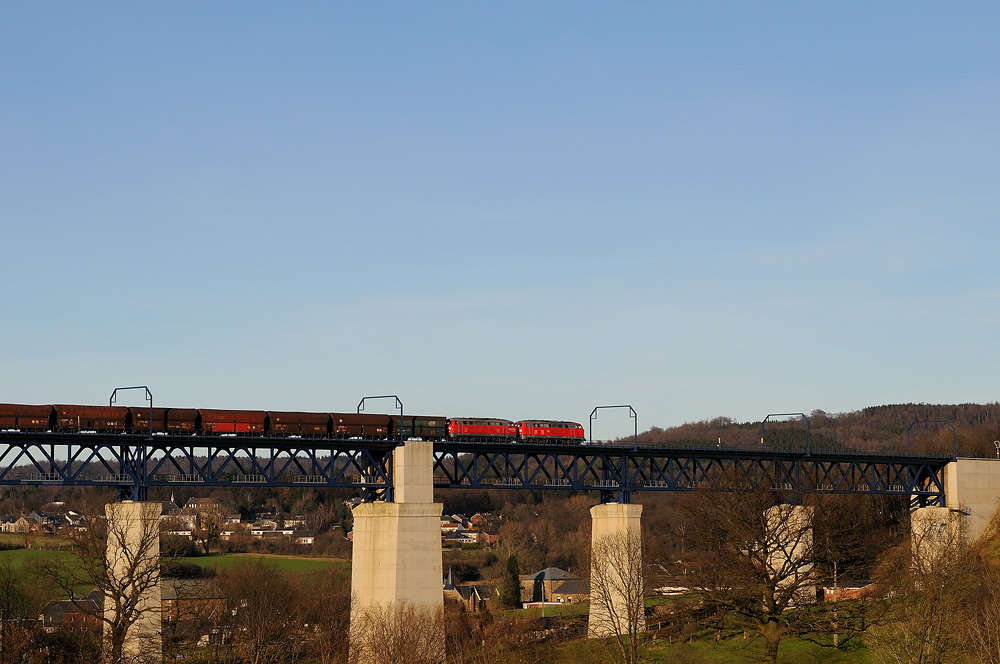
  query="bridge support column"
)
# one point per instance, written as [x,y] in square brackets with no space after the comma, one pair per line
[972,490]
[790,540]
[396,575]
[616,580]
[933,531]
[972,496]
[133,592]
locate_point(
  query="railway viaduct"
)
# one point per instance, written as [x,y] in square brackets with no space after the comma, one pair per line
[397,550]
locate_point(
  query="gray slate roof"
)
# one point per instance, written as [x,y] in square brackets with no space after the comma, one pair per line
[549,574]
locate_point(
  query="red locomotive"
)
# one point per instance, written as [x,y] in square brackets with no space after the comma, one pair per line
[539,430]
[477,428]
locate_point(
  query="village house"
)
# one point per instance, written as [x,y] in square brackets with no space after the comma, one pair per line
[452,539]
[263,513]
[73,615]
[449,526]
[462,521]
[168,508]
[468,537]
[473,597]
[208,505]
[267,533]
[481,521]
[16,524]
[477,598]
[307,537]
[295,521]
[458,529]
[850,590]
[181,600]
[179,523]
[553,585]
[187,599]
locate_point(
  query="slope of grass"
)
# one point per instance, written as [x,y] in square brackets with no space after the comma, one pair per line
[37,541]
[293,564]
[22,557]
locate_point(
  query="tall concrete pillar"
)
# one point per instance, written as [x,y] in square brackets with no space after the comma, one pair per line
[616,582]
[972,497]
[934,531]
[133,558]
[790,540]
[396,563]
[972,490]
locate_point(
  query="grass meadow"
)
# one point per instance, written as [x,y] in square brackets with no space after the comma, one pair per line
[293,564]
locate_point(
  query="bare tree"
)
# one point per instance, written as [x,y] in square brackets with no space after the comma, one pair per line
[751,555]
[982,622]
[118,555]
[929,584]
[264,607]
[327,615]
[982,608]
[486,638]
[400,632]
[210,523]
[192,608]
[617,594]
[19,609]
[27,532]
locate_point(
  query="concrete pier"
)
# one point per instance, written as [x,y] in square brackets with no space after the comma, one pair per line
[972,496]
[933,531]
[396,564]
[790,540]
[616,581]
[133,557]
[972,490]
[397,556]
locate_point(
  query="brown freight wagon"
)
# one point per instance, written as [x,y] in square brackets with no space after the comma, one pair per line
[138,420]
[299,424]
[182,421]
[102,419]
[21,417]
[165,420]
[353,425]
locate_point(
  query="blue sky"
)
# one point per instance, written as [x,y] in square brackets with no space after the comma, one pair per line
[505,209]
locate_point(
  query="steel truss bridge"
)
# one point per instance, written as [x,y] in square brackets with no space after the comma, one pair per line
[134,463]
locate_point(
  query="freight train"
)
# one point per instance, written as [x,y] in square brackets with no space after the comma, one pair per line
[277,424]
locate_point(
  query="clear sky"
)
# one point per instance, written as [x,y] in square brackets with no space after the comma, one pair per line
[506,209]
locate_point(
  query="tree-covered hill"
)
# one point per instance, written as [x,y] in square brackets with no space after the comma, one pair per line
[872,429]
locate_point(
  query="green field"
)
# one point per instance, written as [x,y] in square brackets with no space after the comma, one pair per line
[293,564]
[552,611]
[37,541]
[21,557]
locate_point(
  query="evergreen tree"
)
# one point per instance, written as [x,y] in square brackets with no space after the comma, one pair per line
[510,590]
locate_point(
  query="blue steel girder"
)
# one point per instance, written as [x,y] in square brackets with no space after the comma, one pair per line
[617,471]
[134,462]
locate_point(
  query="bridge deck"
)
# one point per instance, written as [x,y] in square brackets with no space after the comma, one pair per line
[134,462]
